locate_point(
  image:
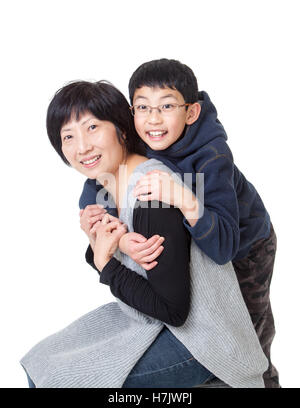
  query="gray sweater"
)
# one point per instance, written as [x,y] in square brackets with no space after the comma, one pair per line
[100,348]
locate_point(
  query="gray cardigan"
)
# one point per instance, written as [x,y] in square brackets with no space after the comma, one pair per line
[100,348]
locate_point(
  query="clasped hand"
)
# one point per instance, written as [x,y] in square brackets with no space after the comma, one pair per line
[142,250]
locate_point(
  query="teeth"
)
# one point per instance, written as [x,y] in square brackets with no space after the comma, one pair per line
[91,161]
[158,133]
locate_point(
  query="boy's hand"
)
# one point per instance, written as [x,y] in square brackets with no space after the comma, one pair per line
[88,217]
[143,251]
[160,185]
[108,234]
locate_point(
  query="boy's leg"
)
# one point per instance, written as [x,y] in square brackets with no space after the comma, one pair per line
[254,274]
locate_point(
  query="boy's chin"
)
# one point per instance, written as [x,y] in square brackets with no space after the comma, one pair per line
[159,146]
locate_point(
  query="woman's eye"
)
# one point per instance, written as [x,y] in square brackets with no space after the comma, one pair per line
[92,127]
[68,137]
[141,107]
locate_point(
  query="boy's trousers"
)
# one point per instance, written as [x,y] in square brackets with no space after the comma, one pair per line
[254,274]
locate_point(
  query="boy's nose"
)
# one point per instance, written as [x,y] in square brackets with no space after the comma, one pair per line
[154,117]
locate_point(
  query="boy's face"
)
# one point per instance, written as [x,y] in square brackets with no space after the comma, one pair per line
[159,130]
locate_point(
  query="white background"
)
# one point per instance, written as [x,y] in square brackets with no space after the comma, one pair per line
[244,54]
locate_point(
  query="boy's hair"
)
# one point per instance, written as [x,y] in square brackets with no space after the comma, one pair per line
[100,98]
[164,73]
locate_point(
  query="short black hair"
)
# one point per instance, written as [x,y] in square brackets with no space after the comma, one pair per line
[164,73]
[100,98]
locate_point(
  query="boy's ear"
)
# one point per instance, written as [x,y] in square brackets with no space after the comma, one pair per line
[193,113]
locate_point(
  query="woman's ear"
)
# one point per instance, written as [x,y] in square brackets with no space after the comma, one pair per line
[193,113]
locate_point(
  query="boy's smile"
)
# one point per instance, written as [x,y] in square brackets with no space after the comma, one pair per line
[159,128]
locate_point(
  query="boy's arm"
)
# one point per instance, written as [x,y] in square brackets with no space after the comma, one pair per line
[89,193]
[214,226]
[216,231]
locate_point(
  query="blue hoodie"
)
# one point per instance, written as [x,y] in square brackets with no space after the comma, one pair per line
[234,215]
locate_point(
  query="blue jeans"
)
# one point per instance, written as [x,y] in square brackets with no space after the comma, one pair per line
[166,364]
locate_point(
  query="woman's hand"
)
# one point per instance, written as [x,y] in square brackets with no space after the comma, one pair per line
[88,217]
[108,234]
[142,250]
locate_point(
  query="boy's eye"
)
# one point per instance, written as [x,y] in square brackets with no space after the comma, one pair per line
[168,107]
[67,137]
[92,127]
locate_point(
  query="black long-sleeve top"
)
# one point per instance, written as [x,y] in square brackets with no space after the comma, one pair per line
[165,295]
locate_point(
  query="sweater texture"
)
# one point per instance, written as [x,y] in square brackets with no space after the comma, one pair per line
[100,348]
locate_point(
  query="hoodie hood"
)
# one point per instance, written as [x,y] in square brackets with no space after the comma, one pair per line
[205,130]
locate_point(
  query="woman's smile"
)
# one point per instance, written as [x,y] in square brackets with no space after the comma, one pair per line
[91,161]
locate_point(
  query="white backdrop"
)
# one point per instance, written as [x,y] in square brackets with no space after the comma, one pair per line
[244,54]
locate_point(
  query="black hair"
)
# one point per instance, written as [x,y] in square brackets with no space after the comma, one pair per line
[100,98]
[164,73]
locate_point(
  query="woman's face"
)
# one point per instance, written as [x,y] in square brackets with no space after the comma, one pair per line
[91,146]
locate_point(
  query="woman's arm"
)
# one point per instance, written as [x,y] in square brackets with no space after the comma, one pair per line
[165,294]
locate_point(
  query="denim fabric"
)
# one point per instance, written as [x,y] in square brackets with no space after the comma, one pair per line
[30,382]
[167,364]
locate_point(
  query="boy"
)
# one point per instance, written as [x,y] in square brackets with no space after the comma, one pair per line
[180,127]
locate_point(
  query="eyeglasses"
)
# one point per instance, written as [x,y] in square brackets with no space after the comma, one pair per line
[165,109]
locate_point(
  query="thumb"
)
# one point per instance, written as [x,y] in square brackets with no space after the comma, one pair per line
[134,236]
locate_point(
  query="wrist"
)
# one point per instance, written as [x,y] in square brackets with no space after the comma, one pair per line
[122,246]
[92,243]
[190,209]
[101,263]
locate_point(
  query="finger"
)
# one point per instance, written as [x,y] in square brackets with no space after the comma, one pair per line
[105,219]
[152,248]
[149,266]
[134,236]
[147,180]
[93,206]
[153,256]
[120,231]
[148,244]
[143,189]
[112,226]
[148,197]
[95,227]
[94,211]
[94,219]
[112,218]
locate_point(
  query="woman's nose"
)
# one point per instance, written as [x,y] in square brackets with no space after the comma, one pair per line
[84,144]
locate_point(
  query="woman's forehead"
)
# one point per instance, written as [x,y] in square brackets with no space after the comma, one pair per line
[77,117]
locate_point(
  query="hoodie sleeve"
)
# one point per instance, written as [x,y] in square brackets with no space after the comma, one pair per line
[216,232]
[89,193]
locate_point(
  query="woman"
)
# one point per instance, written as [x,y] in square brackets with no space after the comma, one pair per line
[90,126]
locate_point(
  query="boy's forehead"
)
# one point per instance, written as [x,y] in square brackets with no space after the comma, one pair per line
[156,93]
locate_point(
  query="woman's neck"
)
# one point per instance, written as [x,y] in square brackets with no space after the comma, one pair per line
[118,185]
